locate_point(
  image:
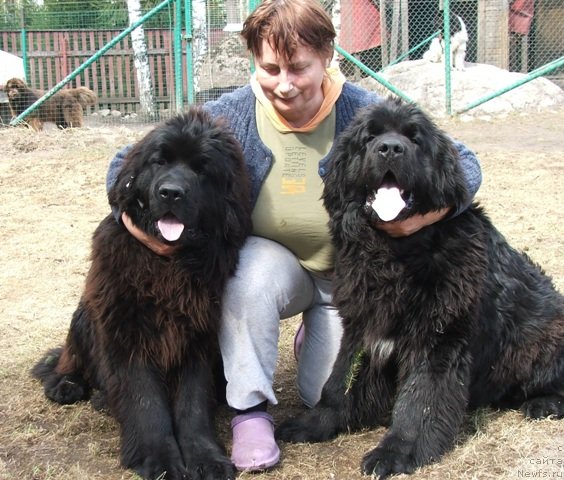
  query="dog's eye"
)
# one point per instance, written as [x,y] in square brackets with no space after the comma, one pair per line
[414,136]
[197,165]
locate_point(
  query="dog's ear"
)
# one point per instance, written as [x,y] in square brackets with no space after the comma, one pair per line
[345,167]
[237,224]
[444,185]
[227,221]
[343,182]
[124,193]
[334,190]
[226,173]
[451,188]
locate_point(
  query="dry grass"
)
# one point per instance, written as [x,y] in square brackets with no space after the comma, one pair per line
[52,197]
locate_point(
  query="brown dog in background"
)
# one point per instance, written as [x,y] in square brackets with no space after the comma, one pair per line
[65,108]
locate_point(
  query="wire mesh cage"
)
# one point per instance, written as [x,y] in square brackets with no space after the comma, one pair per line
[192,50]
[518,35]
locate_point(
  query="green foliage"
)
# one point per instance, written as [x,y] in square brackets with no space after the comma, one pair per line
[12,13]
[354,370]
[92,14]
[57,15]
[217,15]
[76,14]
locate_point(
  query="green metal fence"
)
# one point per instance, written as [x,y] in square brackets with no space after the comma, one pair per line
[101,55]
[193,51]
[523,36]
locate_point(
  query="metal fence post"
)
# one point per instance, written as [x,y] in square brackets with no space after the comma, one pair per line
[178,87]
[24,54]
[446,39]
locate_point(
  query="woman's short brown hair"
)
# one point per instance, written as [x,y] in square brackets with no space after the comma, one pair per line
[287,23]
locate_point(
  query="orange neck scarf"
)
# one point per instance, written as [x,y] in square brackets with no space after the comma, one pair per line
[332,86]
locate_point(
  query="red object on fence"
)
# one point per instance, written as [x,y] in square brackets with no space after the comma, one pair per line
[521,16]
[360,25]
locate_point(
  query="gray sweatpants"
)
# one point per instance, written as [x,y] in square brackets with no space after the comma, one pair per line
[270,285]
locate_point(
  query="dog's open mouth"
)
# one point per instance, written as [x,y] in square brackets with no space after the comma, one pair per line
[388,200]
[170,227]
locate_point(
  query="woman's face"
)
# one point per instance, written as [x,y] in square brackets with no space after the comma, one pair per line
[293,87]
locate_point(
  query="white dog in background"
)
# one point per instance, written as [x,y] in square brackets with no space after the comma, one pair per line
[458,43]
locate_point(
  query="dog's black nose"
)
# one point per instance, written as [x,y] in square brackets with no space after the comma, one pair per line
[171,192]
[390,148]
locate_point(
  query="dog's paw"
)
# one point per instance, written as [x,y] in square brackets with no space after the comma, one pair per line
[217,467]
[383,462]
[205,458]
[544,407]
[315,425]
[150,454]
[99,401]
[66,389]
[152,469]
[159,463]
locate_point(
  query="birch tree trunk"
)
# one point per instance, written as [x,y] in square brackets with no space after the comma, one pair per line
[335,10]
[200,39]
[141,60]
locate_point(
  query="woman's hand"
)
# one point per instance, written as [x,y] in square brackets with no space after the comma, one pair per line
[150,242]
[413,224]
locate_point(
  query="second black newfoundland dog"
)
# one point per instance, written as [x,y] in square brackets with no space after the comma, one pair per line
[144,334]
[446,319]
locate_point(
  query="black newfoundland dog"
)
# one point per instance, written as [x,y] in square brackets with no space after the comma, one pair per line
[144,334]
[446,319]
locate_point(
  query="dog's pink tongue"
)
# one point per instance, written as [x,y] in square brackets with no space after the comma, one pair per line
[170,228]
[388,203]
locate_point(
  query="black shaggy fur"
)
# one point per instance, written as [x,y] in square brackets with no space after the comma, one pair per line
[145,332]
[447,319]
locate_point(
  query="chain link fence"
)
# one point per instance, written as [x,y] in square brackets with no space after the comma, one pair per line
[56,37]
[517,35]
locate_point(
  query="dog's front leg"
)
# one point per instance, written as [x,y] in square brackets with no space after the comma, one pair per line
[458,59]
[336,410]
[193,416]
[426,416]
[138,398]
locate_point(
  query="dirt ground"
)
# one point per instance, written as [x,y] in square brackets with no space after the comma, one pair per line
[53,195]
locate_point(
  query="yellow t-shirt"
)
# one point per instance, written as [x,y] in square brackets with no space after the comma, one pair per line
[289,208]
